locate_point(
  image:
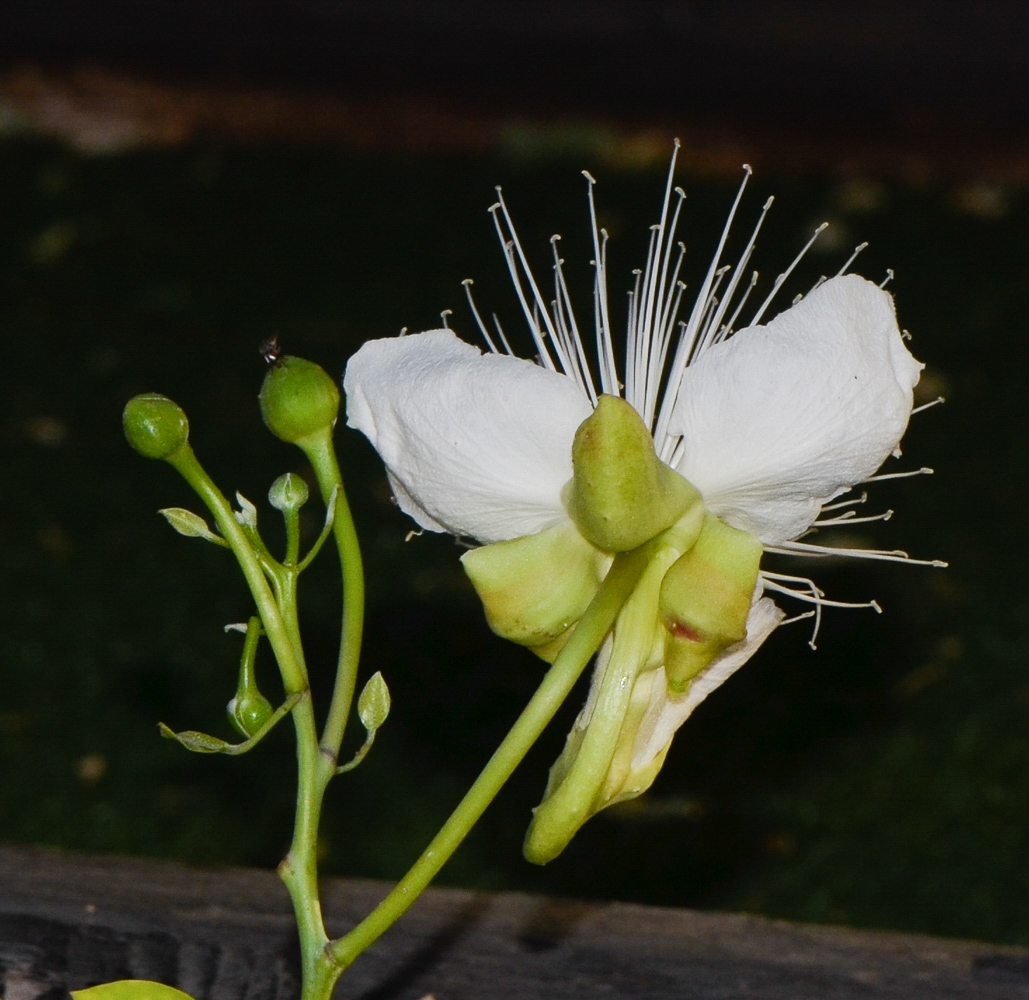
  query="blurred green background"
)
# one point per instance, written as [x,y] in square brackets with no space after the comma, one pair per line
[882,781]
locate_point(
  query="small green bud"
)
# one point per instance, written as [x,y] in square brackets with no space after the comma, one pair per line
[154,425]
[298,399]
[705,599]
[534,587]
[248,711]
[288,492]
[621,495]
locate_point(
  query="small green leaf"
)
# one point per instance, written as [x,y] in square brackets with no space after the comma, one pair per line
[131,989]
[197,742]
[373,704]
[185,522]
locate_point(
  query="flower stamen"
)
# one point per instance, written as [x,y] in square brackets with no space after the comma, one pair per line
[781,279]
[849,517]
[850,260]
[926,406]
[812,594]
[809,550]
[924,471]
[468,282]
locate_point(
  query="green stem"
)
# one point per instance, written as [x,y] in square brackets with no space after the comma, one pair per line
[299,868]
[555,687]
[317,763]
[186,464]
[320,454]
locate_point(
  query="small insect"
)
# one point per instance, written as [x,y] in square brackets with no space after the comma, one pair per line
[270,349]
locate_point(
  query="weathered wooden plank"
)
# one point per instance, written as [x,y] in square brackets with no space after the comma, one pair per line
[69,920]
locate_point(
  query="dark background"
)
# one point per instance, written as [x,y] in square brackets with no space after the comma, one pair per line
[179,182]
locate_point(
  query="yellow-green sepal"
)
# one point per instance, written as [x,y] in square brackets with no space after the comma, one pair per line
[705,599]
[535,587]
[621,494]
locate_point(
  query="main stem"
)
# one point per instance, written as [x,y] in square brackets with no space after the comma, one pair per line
[299,869]
[555,687]
[317,759]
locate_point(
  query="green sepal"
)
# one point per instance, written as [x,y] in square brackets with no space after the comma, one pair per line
[621,495]
[535,587]
[705,599]
[130,989]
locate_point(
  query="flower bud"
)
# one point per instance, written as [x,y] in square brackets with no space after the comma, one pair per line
[288,493]
[621,495]
[154,425]
[248,712]
[298,399]
[705,599]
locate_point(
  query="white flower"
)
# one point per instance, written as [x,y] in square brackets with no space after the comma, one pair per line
[770,422]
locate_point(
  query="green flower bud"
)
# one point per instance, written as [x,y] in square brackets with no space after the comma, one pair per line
[298,400]
[705,599]
[248,711]
[288,493]
[621,495]
[154,425]
[533,588]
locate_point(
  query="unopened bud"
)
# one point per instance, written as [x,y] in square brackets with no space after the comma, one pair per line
[298,399]
[288,493]
[248,712]
[154,425]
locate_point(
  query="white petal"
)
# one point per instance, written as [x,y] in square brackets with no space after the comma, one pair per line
[665,715]
[779,419]
[475,444]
